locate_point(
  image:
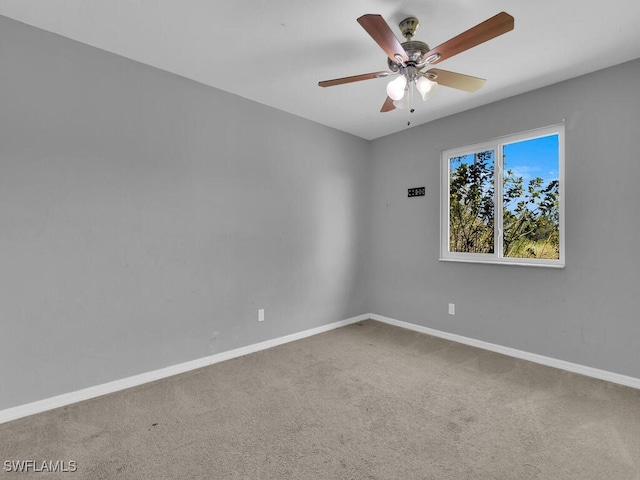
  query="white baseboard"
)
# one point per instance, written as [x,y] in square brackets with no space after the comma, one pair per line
[39,406]
[20,411]
[512,352]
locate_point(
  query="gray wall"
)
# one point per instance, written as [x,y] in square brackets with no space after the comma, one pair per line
[586,313]
[144,218]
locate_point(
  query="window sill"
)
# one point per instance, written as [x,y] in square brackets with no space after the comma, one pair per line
[502,262]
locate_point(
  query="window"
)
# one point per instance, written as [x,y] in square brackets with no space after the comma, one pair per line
[502,200]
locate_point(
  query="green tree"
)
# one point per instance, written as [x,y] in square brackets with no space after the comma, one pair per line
[530,215]
[471,203]
[530,218]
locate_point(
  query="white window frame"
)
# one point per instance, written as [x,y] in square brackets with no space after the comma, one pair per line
[497,145]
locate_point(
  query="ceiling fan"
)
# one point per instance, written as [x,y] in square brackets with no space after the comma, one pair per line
[409,59]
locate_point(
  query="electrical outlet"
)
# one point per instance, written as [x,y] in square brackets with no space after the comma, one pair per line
[416,192]
[452,309]
[261,315]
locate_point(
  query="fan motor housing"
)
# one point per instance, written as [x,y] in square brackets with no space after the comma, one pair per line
[416,52]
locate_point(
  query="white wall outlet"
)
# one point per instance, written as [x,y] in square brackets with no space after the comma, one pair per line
[452,309]
[261,314]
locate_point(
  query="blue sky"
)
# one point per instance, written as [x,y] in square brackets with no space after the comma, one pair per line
[537,157]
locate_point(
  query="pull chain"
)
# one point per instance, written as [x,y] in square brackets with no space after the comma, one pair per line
[410,108]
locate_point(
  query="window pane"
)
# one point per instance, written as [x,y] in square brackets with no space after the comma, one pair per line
[530,198]
[471,203]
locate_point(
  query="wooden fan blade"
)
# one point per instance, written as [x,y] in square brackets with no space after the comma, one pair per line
[382,34]
[457,80]
[491,28]
[388,105]
[354,78]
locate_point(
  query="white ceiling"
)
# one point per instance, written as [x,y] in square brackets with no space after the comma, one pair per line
[275,51]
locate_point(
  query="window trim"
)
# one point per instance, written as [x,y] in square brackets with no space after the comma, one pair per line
[497,145]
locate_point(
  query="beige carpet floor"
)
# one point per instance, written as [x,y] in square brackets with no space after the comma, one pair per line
[367,401]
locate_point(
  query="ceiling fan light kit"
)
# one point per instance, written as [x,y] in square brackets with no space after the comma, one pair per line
[395,88]
[409,59]
[426,87]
